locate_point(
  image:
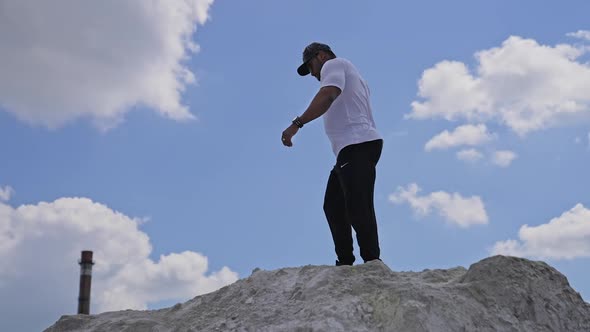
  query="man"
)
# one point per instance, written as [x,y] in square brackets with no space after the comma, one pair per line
[343,101]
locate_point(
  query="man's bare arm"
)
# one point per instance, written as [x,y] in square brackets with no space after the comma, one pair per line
[320,103]
[318,106]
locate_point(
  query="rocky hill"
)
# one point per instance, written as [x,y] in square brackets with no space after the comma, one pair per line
[496,294]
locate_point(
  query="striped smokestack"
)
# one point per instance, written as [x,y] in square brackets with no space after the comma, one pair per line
[85,280]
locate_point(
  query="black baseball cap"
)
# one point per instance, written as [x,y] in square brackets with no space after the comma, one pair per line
[308,53]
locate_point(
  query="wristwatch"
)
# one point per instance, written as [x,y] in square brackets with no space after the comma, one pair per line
[297,122]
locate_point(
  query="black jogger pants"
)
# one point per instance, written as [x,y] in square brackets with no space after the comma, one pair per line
[349,201]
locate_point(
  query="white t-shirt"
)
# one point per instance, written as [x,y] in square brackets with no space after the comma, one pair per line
[349,120]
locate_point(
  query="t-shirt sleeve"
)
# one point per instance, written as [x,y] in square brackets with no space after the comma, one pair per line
[333,74]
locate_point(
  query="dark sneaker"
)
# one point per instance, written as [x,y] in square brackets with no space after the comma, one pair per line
[338,263]
[374,259]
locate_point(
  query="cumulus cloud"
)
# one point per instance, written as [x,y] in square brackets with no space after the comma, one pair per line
[469,155]
[64,60]
[454,208]
[462,135]
[564,237]
[41,243]
[581,34]
[521,84]
[503,158]
[6,193]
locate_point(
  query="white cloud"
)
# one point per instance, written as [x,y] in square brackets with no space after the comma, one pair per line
[469,155]
[462,135]
[64,60]
[581,34]
[514,84]
[6,193]
[454,208]
[503,158]
[451,93]
[40,245]
[565,237]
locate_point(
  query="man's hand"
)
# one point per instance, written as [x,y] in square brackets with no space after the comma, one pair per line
[288,135]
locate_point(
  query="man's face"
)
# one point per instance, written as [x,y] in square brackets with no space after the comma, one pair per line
[314,66]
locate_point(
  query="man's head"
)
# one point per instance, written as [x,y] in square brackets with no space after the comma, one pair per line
[314,57]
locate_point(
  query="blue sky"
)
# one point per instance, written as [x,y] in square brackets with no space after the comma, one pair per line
[151,135]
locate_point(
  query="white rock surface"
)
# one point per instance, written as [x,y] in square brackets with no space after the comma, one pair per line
[496,294]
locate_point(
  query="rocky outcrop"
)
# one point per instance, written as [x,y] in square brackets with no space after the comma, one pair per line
[496,294]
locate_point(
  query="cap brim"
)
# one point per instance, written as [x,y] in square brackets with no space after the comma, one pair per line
[303,70]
